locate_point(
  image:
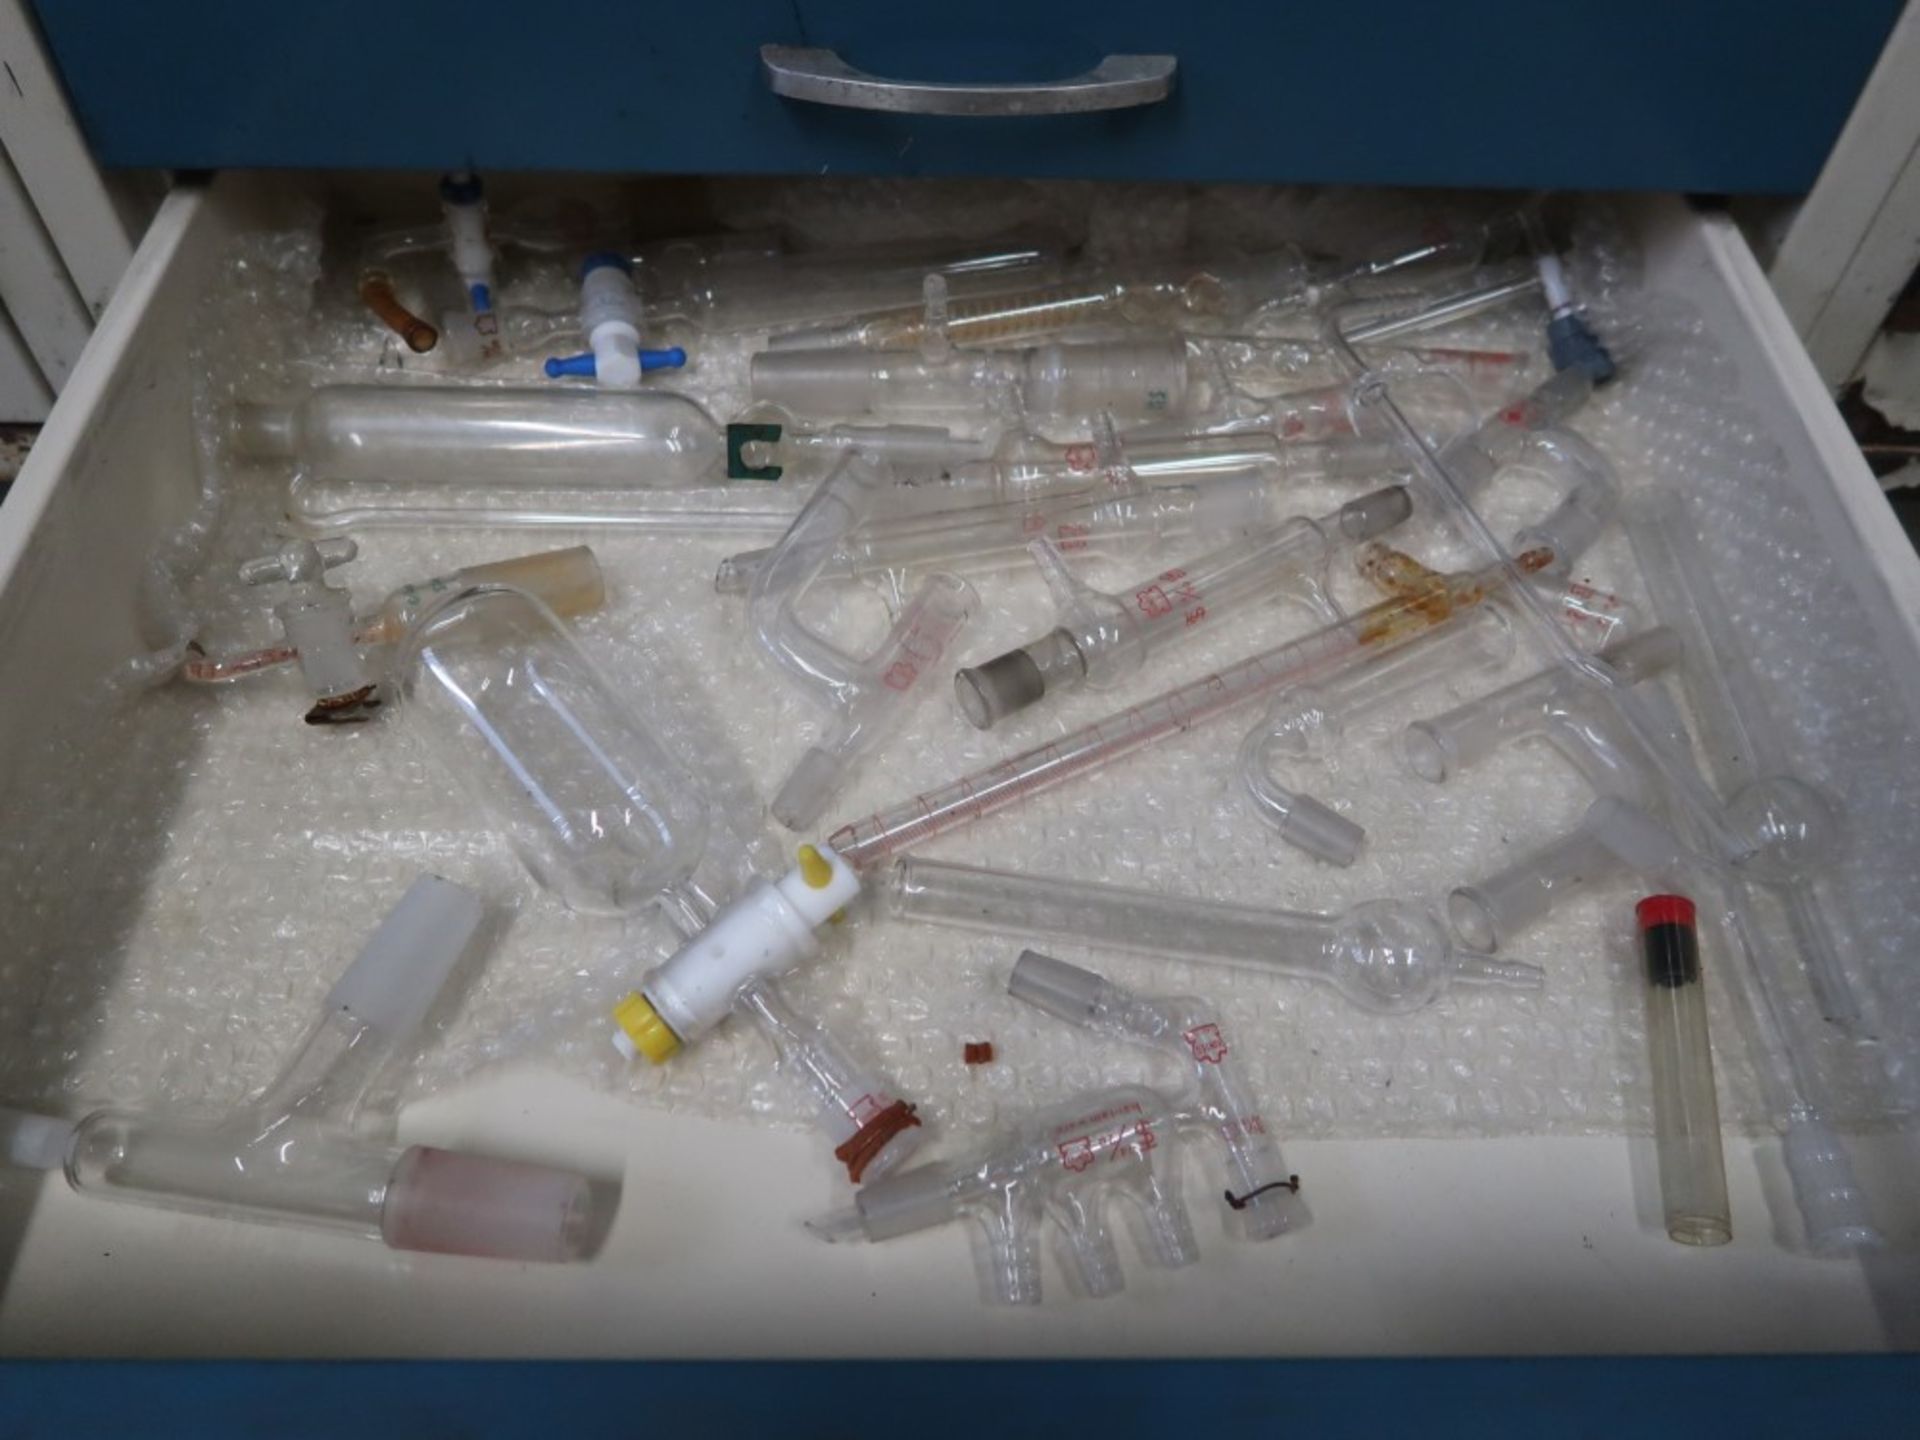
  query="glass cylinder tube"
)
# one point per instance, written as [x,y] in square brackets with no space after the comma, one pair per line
[478,437]
[1686,1114]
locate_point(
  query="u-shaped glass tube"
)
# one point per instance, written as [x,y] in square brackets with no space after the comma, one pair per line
[606,817]
[865,696]
[1103,638]
[1385,956]
[302,1152]
[1307,722]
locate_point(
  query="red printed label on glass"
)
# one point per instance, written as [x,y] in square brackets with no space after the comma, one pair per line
[1208,1045]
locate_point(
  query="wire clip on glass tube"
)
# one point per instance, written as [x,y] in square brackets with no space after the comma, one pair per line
[1129,379]
[1306,723]
[299,1154]
[1686,1114]
[610,320]
[1260,1192]
[1422,601]
[1065,1165]
[1103,638]
[568,581]
[606,817]
[866,697]
[1388,957]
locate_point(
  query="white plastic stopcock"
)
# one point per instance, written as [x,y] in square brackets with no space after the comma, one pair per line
[765,932]
[610,322]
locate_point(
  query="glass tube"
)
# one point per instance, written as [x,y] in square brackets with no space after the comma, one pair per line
[1686,1114]
[481,436]
[1386,956]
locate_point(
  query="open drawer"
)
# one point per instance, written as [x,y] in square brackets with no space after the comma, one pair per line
[1434,1245]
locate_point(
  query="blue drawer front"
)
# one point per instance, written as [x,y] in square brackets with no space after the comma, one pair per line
[1733,95]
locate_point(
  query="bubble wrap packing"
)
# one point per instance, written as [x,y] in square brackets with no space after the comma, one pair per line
[218,863]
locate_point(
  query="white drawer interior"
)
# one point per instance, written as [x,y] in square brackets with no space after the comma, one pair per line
[1419,1244]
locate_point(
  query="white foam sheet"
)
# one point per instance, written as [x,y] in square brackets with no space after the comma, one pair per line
[217,863]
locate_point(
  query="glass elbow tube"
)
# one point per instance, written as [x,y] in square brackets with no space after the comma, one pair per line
[604,816]
[1615,837]
[1388,957]
[1130,379]
[297,1154]
[1553,704]
[1307,722]
[1686,1115]
[1063,1165]
[1103,638]
[865,696]
[1423,604]
[1260,1190]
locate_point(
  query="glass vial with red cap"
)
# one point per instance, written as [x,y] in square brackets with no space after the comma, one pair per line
[1686,1115]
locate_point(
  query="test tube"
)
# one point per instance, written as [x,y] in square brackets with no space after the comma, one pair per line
[1686,1116]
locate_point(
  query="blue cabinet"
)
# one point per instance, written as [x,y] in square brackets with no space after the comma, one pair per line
[1733,95]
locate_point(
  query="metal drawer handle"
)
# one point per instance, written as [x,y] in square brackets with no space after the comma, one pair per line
[821,77]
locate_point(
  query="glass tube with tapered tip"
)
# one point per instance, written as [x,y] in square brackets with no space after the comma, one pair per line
[1129,378]
[1686,1114]
[1385,956]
